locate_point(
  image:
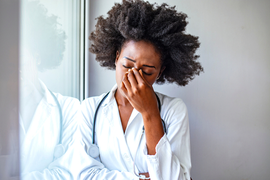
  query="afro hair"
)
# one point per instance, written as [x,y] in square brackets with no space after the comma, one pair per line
[161,25]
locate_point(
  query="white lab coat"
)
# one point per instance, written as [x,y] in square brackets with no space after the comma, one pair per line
[39,142]
[117,149]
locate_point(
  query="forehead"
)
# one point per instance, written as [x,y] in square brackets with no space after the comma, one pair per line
[141,51]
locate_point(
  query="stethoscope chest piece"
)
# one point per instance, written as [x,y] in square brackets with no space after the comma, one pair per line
[59,150]
[93,151]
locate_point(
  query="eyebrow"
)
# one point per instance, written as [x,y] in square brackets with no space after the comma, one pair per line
[135,61]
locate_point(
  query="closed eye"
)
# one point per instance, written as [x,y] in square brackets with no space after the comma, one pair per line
[127,67]
[148,74]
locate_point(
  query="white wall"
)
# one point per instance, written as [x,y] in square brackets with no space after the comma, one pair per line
[228,103]
[9,47]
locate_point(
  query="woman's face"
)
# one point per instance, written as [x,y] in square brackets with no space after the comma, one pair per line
[140,55]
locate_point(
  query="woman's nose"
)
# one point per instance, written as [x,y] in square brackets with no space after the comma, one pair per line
[138,67]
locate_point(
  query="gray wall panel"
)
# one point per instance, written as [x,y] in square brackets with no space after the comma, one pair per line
[9,47]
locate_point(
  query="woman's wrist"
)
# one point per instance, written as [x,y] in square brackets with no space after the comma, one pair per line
[151,115]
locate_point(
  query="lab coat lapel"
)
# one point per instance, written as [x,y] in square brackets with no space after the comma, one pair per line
[112,115]
[43,112]
[131,118]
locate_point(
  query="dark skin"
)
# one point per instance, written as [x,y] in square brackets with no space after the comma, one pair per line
[138,65]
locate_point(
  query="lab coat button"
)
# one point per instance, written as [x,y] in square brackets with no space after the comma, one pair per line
[125,156]
[128,158]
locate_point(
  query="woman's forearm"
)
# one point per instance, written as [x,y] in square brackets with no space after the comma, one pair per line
[153,131]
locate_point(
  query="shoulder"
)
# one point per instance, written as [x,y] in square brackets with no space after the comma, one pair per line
[173,109]
[67,101]
[89,105]
[70,106]
[168,102]
[92,101]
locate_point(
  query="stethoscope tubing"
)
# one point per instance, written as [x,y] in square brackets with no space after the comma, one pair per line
[60,114]
[95,117]
[59,149]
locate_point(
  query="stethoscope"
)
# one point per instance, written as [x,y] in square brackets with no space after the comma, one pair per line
[59,149]
[93,150]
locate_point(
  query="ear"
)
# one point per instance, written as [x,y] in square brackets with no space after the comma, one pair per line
[117,57]
[161,71]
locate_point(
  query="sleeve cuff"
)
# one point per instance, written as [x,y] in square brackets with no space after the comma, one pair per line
[160,144]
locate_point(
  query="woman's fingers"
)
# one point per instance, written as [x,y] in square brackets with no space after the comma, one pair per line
[125,84]
[132,79]
[123,88]
[139,76]
[138,92]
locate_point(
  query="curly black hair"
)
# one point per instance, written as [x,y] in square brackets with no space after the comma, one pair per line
[161,25]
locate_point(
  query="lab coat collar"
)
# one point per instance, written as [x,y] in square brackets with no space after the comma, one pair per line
[47,95]
[110,96]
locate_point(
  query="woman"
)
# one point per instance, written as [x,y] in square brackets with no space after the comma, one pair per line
[145,43]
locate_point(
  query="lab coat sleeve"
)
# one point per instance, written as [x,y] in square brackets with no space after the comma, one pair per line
[62,167]
[172,159]
[92,168]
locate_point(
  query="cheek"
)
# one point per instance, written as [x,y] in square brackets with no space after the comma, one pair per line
[150,80]
[119,74]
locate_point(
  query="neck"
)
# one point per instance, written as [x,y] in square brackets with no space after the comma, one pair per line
[121,99]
